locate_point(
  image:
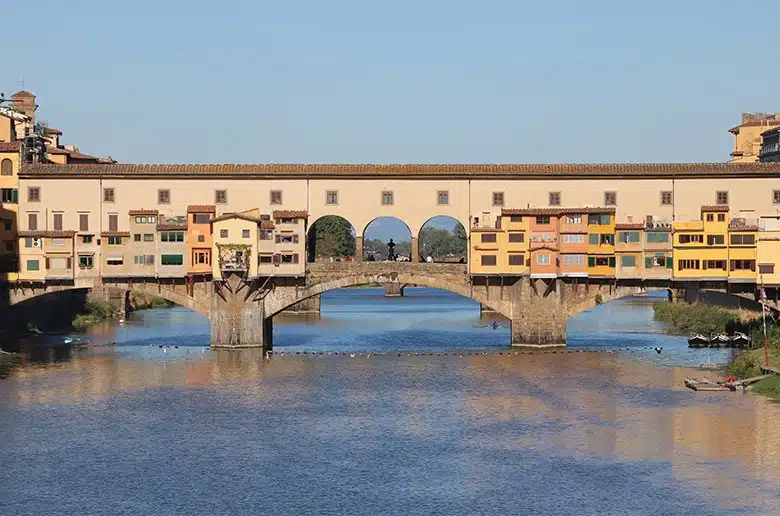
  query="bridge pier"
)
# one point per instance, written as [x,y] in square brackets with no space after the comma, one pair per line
[237,321]
[393,290]
[358,249]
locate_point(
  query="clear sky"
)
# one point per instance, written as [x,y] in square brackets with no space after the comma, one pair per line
[387,81]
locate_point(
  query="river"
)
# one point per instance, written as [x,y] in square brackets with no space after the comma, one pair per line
[457,424]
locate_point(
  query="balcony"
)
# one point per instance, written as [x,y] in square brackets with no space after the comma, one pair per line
[234,257]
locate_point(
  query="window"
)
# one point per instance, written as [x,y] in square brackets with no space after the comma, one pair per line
[603,261]
[554,198]
[488,238]
[266,258]
[573,219]
[33,265]
[172,259]
[516,259]
[543,259]
[163,197]
[516,237]
[34,194]
[137,237]
[223,233]
[108,195]
[766,268]
[721,197]
[286,239]
[628,261]
[574,239]
[543,219]
[28,242]
[6,167]
[220,197]
[86,261]
[266,234]
[574,259]
[610,198]
[710,217]
[442,197]
[244,233]
[714,265]
[600,219]
[201,218]
[688,265]
[201,238]
[743,239]
[146,220]
[666,198]
[721,217]
[657,237]
[515,218]
[276,197]
[289,258]
[148,237]
[488,260]
[57,221]
[387,198]
[172,236]
[628,237]
[58,241]
[743,265]
[200,257]
[86,239]
[32,221]
[115,240]
[691,239]
[83,222]
[775,197]
[9,246]
[331,197]
[9,195]
[498,198]
[113,223]
[115,260]
[593,239]
[715,239]
[8,224]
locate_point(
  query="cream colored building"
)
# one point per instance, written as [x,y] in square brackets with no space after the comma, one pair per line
[747,136]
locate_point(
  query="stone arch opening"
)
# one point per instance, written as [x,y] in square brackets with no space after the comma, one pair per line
[388,239]
[331,237]
[443,239]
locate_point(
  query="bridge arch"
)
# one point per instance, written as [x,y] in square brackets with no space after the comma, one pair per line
[434,229]
[331,224]
[375,245]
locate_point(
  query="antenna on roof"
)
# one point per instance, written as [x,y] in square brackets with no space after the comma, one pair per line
[21,82]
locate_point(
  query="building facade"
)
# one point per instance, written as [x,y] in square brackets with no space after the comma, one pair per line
[747,136]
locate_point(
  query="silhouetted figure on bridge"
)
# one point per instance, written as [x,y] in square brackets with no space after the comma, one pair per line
[391,250]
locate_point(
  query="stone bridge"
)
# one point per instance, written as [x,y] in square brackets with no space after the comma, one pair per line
[241,311]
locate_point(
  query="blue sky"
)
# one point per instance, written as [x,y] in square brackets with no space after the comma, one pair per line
[394,81]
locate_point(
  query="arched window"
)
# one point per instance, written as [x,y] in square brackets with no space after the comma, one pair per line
[6,168]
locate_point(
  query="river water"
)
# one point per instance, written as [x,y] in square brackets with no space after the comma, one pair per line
[458,424]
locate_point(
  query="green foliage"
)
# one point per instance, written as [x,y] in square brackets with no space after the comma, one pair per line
[747,364]
[599,299]
[769,387]
[333,237]
[698,318]
[94,312]
[440,243]
[378,249]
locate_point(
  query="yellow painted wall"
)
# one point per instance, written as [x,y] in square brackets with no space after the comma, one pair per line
[235,229]
[769,252]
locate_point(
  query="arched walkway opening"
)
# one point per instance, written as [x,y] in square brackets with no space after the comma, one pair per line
[387,239]
[443,239]
[331,238]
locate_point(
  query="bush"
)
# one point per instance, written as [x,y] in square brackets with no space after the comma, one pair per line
[747,365]
[769,387]
[698,318]
[94,312]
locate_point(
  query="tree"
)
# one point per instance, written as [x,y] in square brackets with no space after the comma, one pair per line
[332,236]
[440,243]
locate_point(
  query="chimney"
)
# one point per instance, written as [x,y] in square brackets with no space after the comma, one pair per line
[24,102]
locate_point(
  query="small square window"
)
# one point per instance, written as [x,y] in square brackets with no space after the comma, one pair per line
[57,222]
[201,238]
[220,197]
[276,197]
[244,233]
[34,194]
[387,198]
[776,196]
[148,237]
[108,195]
[163,196]
[32,221]
[137,237]
[331,197]
[555,198]
[666,198]
[610,198]
[721,197]
[223,233]
[498,198]
[721,217]
[442,197]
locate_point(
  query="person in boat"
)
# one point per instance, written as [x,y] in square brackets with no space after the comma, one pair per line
[731,379]
[494,325]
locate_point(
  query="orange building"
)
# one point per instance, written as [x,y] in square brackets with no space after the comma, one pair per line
[199,239]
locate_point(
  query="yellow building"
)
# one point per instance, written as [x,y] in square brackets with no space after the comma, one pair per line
[700,247]
[500,248]
[747,136]
[628,250]
[235,237]
[46,255]
[601,242]
[10,153]
[769,251]
[743,250]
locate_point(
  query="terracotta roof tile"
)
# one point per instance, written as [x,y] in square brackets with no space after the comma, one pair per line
[142,212]
[57,150]
[21,94]
[629,225]
[772,130]
[51,130]
[267,224]
[275,171]
[201,208]
[46,233]
[115,234]
[716,207]
[557,211]
[171,226]
[10,146]
[290,214]
[242,216]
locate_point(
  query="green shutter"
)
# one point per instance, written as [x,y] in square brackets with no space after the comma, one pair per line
[611,261]
[15,196]
[669,262]
[648,262]
[591,261]
[593,239]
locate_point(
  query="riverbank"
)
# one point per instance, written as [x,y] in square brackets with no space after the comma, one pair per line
[96,311]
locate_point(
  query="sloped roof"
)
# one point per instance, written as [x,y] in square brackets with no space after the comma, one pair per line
[290,214]
[10,146]
[242,216]
[201,208]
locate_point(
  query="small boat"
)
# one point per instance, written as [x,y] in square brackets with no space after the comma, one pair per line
[720,340]
[739,340]
[709,364]
[706,384]
[697,341]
